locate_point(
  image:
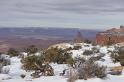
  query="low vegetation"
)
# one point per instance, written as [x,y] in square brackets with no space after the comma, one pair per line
[118,56]
[58,55]
[31,49]
[79,67]
[90,70]
[86,69]
[77,47]
[37,63]
[12,52]
[87,41]
[88,52]
[4,62]
[40,63]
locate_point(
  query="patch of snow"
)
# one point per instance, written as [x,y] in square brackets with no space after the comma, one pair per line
[41,79]
[103,50]
[91,80]
[4,56]
[4,77]
[111,48]
[108,61]
[76,53]
[15,69]
[58,68]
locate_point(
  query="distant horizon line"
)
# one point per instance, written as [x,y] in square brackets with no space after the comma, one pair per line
[48,27]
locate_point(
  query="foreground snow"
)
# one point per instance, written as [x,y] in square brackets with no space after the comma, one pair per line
[41,79]
[110,78]
[16,70]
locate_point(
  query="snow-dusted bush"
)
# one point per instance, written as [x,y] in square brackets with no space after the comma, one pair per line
[12,52]
[37,64]
[1,66]
[88,52]
[77,47]
[5,70]
[70,61]
[95,58]
[57,55]
[4,61]
[31,49]
[118,56]
[95,50]
[70,48]
[114,56]
[85,69]
[29,62]
[89,70]
[87,41]
[78,61]
[72,75]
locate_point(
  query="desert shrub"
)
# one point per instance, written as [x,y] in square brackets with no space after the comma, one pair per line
[94,43]
[100,71]
[87,41]
[1,66]
[70,48]
[95,58]
[78,61]
[72,79]
[30,61]
[118,56]
[57,55]
[70,61]
[114,57]
[88,52]
[72,75]
[89,70]
[98,57]
[37,64]
[95,50]
[31,49]
[86,69]
[12,52]
[4,61]
[77,47]
[5,70]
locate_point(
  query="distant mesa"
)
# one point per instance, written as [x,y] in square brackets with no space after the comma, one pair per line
[78,38]
[114,35]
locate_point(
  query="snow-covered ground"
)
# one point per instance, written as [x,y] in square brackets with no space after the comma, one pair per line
[16,69]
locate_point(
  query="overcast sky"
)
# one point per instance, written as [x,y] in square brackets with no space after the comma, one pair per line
[87,14]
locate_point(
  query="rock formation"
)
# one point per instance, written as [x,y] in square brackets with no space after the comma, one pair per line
[78,38]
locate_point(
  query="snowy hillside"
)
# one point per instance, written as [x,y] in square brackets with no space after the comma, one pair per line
[15,69]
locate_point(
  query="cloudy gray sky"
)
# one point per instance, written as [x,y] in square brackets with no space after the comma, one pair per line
[62,13]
